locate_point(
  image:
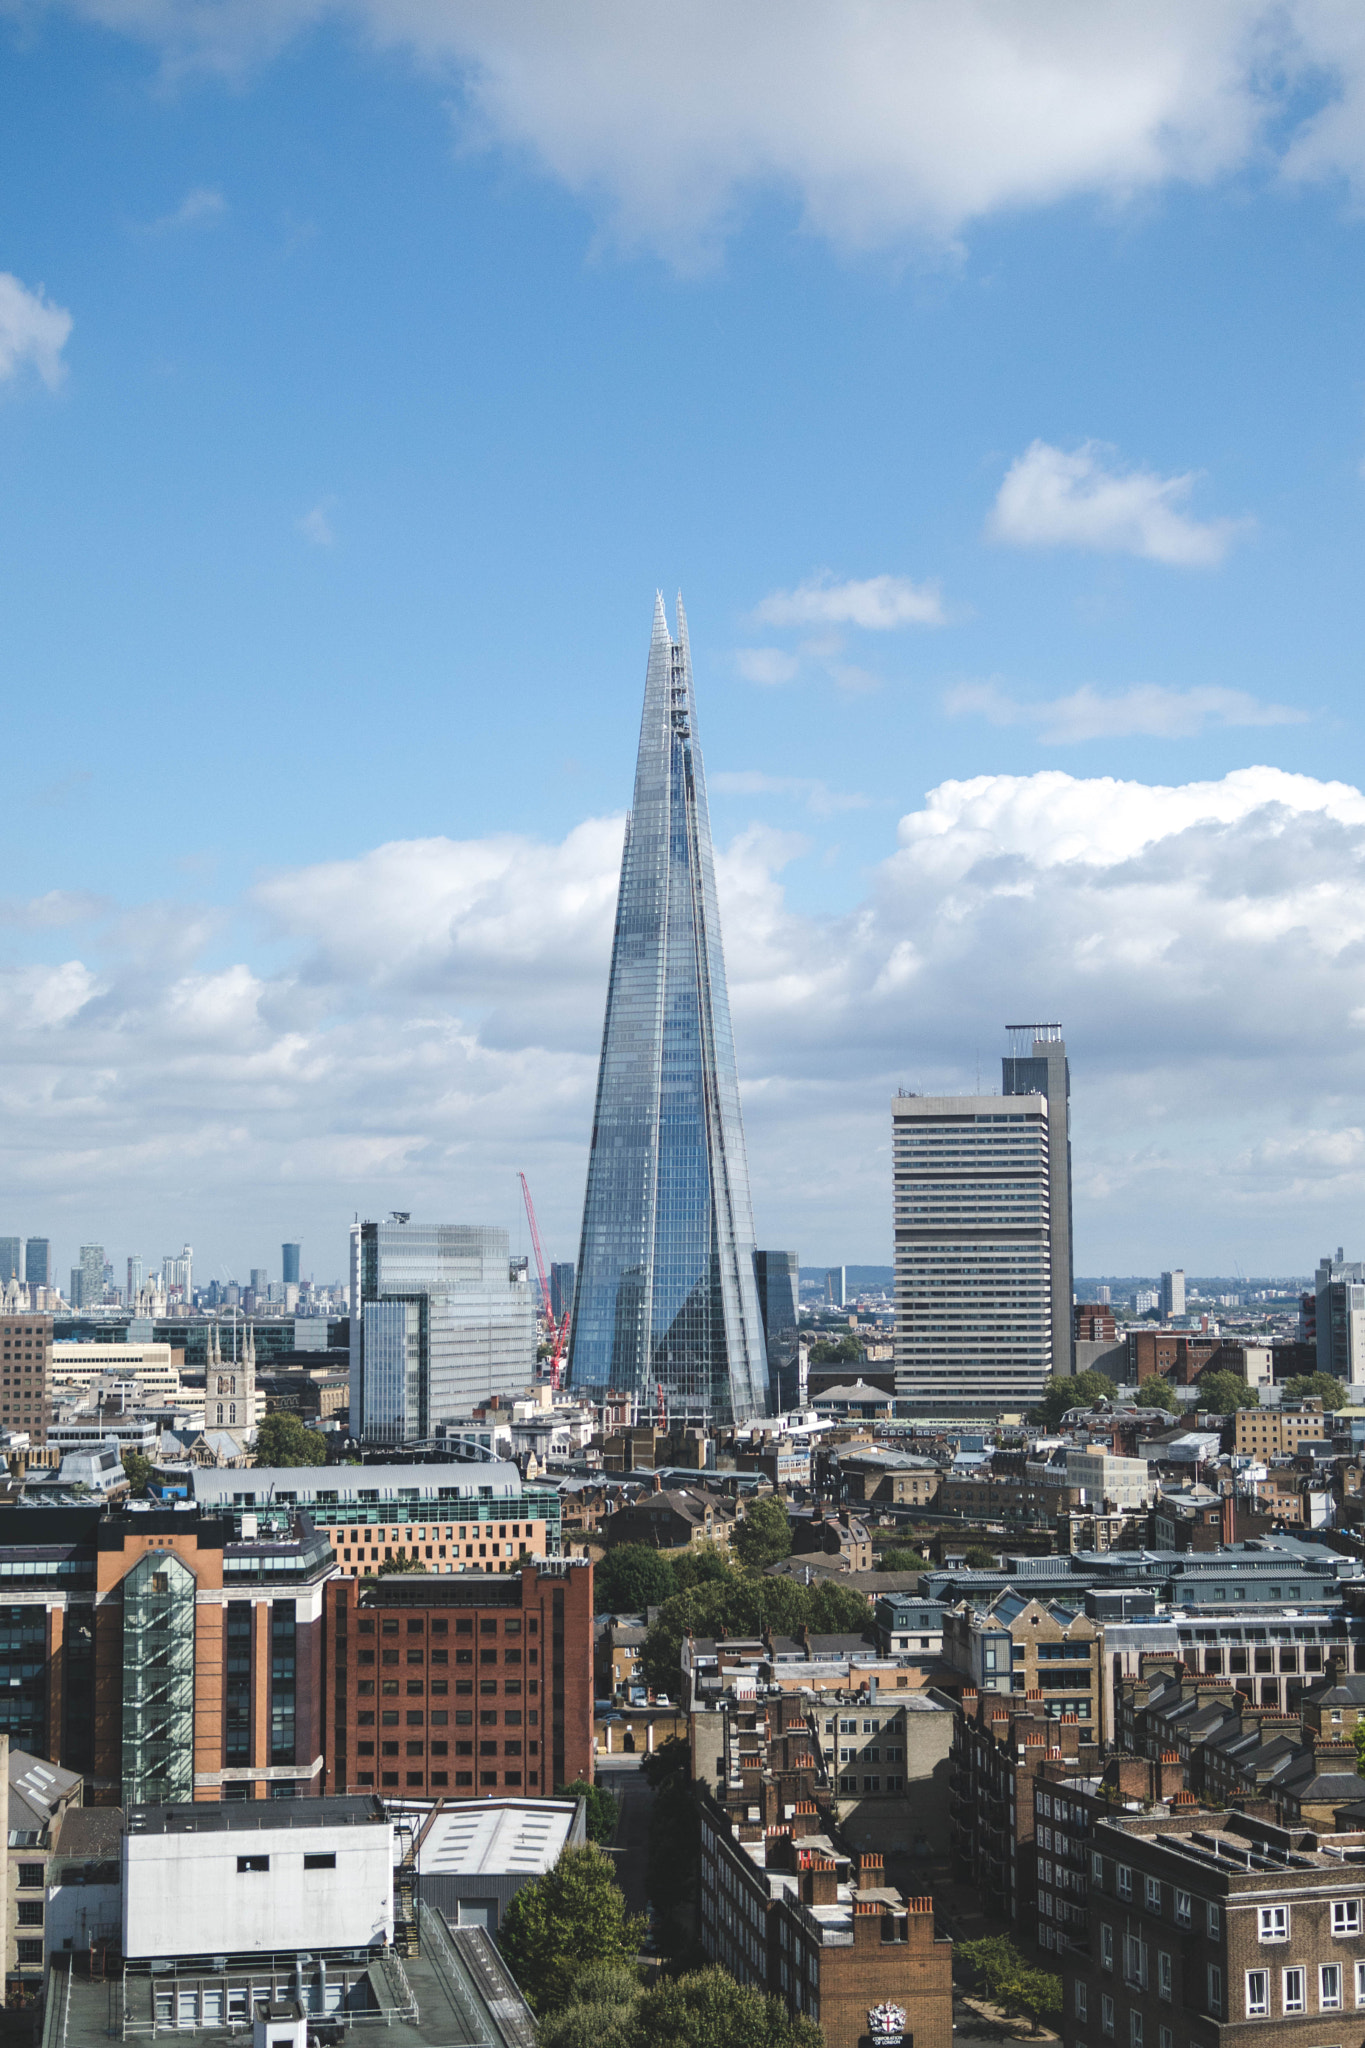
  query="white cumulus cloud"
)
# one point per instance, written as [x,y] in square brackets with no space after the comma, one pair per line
[877,604]
[766,666]
[424,1019]
[33,332]
[1149,710]
[1050,498]
[879,122]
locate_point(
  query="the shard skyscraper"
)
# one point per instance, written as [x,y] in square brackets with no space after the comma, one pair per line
[666,1295]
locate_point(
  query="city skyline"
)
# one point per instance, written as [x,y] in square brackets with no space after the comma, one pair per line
[354,382]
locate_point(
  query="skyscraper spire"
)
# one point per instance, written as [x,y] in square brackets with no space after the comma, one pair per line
[666,1295]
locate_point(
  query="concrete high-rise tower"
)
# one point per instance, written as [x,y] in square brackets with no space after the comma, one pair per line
[666,1295]
[1036,1064]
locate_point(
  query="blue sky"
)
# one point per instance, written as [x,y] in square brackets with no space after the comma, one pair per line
[990,379]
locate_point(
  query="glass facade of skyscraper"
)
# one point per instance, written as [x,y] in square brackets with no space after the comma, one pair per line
[666,1296]
[442,1318]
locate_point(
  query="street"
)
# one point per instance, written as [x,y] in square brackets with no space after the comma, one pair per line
[623,1778]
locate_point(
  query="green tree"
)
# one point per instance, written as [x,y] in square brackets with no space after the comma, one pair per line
[1010,1980]
[1083,1391]
[708,2009]
[401,1563]
[836,1351]
[1037,1994]
[604,1808]
[979,1559]
[897,1559]
[573,1916]
[702,1564]
[605,1998]
[745,1606]
[1306,1385]
[836,1610]
[631,1578]
[281,1439]
[138,1470]
[1359,1739]
[1224,1392]
[1156,1392]
[764,1535]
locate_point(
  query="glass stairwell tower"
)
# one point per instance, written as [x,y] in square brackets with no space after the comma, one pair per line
[666,1296]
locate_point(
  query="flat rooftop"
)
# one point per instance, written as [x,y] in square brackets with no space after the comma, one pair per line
[456,1993]
[252,1816]
[504,1837]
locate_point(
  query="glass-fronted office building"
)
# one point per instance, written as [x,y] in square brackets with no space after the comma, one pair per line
[444,1318]
[666,1296]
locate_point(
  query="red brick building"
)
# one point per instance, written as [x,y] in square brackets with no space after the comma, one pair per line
[461,1687]
[26,1363]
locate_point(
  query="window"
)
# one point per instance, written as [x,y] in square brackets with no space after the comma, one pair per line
[1295,1992]
[1097,1867]
[1360,1983]
[1106,1948]
[1329,1987]
[1134,1961]
[321,1861]
[1151,1890]
[1123,1880]
[1213,1916]
[1258,1994]
[1164,1975]
[1167,2037]
[1080,2000]
[31,1874]
[30,1912]
[1215,1989]
[1106,2014]
[1135,2030]
[29,1951]
[1272,1923]
[1183,1911]
[1345,1914]
[253,1863]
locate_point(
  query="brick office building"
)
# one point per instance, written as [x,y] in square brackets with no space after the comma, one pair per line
[463,1686]
[26,1374]
[162,1657]
[1207,1927]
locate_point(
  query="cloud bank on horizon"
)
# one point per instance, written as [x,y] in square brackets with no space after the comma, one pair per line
[434,1022]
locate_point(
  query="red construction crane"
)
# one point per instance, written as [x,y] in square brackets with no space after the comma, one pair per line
[558,1333]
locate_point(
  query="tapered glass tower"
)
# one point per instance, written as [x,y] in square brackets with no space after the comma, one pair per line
[666,1296]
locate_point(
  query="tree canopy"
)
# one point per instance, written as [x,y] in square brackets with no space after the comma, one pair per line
[1305,1385]
[281,1439]
[1224,1392]
[138,1470]
[765,1534]
[1010,1980]
[557,1925]
[1155,1392]
[401,1563]
[739,1604]
[1083,1391]
[604,1808]
[703,2009]
[631,1578]
[836,1351]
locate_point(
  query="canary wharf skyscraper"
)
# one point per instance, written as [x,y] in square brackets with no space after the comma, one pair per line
[666,1297]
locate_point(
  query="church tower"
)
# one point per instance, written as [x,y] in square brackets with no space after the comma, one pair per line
[230,1383]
